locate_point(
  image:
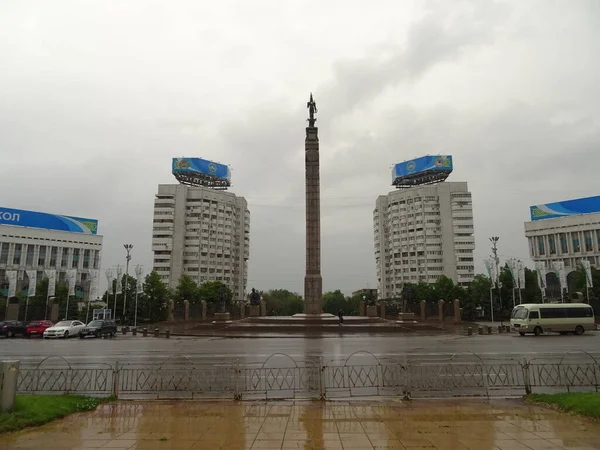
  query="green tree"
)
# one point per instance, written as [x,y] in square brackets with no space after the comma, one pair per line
[478,295]
[152,305]
[210,291]
[282,302]
[531,293]
[187,289]
[334,301]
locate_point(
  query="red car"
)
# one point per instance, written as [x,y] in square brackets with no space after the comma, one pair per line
[37,328]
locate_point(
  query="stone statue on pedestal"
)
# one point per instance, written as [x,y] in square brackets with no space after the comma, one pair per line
[312,109]
[254,297]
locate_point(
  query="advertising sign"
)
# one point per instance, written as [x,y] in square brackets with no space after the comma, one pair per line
[32,275]
[51,275]
[23,218]
[586,205]
[437,163]
[490,265]
[203,166]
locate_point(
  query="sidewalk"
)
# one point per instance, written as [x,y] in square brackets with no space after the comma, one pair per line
[442,425]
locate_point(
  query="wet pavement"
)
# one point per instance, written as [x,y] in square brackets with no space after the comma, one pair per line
[250,350]
[450,425]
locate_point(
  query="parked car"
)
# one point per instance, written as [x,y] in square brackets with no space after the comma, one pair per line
[37,327]
[10,328]
[64,329]
[99,328]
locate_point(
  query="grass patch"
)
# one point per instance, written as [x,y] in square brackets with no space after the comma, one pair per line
[35,410]
[584,403]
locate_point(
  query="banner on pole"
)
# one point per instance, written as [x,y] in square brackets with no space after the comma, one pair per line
[138,278]
[71,280]
[512,268]
[93,285]
[559,270]
[32,275]
[588,272]
[12,282]
[540,269]
[109,280]
[51,275]
[119,279]
[521,272]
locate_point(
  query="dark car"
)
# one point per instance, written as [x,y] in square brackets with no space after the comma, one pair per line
[11,328]
[99,328]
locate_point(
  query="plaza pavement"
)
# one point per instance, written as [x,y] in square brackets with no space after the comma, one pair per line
[367,424]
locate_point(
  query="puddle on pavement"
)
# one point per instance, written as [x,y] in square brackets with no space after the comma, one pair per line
[447,425]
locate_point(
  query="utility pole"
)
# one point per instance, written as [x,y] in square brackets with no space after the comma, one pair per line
[128,248]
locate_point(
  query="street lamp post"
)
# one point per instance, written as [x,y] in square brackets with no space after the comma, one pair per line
[128,248]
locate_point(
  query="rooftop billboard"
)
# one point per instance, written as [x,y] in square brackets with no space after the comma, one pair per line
[23,218]
[575,207]
[430,168]
[201,166]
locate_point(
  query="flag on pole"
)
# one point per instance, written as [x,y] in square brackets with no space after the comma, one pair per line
[12,282]
[512,268]
[521,272]
[109,279]
[119,279]
[93,285]
[558,268]
[588,272]
[32,275]
[71,280]
[540,269]
[51,275]
[138,278]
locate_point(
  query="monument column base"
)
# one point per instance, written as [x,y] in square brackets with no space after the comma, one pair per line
[313,291]
[222,317]
[254,310]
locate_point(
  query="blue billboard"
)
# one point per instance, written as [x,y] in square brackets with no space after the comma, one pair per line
[23,218]
[201,166]
[435,163]
[578,206]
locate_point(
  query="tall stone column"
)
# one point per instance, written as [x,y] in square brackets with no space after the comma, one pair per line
[313,283]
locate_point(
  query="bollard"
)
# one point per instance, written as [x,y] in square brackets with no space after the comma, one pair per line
[168,333]
[469,331]
[145,332]
[124,330]
[134,331]
[480,330]
[9,372]
[507,328]
[500,328]
[489,330]
[156,332]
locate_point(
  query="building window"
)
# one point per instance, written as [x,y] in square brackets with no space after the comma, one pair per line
[576,247]
[588,241]
[29,256]
[17,256]
[541,248]
[86,259]
[552,245]
[4,253]
[53,253]
[564,248]
[75,260]
[65,256]
[42,256]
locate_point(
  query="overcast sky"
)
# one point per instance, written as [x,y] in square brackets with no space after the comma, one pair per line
[96,97]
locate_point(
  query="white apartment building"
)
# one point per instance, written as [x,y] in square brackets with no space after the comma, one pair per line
[201,232]
[569,239]
[26,248]
[422,233]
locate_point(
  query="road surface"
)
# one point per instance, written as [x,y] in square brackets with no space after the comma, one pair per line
[256,350]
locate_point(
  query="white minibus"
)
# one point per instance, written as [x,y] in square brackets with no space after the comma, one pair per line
[561,318]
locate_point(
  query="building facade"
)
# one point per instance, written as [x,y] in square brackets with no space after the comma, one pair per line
[569,239]
[422,233]
[29,248]
[201,232]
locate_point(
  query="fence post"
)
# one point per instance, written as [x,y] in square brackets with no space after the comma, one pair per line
[322,392]
[237,381]
[406,380]
[115,388]
[526,375]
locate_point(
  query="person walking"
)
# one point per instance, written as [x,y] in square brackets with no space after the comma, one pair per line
[341,316]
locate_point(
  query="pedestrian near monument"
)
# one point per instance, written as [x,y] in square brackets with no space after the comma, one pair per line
[341,316]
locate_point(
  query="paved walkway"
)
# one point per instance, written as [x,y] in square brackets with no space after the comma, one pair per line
[449,425]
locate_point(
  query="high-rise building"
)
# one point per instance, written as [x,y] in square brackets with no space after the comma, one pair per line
[36,241]
[202,232]
[423,232]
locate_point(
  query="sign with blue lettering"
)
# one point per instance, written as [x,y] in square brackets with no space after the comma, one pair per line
[202,166]
[23,218]
[586,205]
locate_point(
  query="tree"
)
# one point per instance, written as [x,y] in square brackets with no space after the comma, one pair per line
[478,295]
[152,305]
[281,302]
[210,292]
[334,301]
[187,289]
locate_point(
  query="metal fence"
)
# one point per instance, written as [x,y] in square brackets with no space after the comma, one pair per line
[280,376]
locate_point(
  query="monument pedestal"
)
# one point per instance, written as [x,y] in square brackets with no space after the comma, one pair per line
[254,310]
[372,311]
[222,318]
